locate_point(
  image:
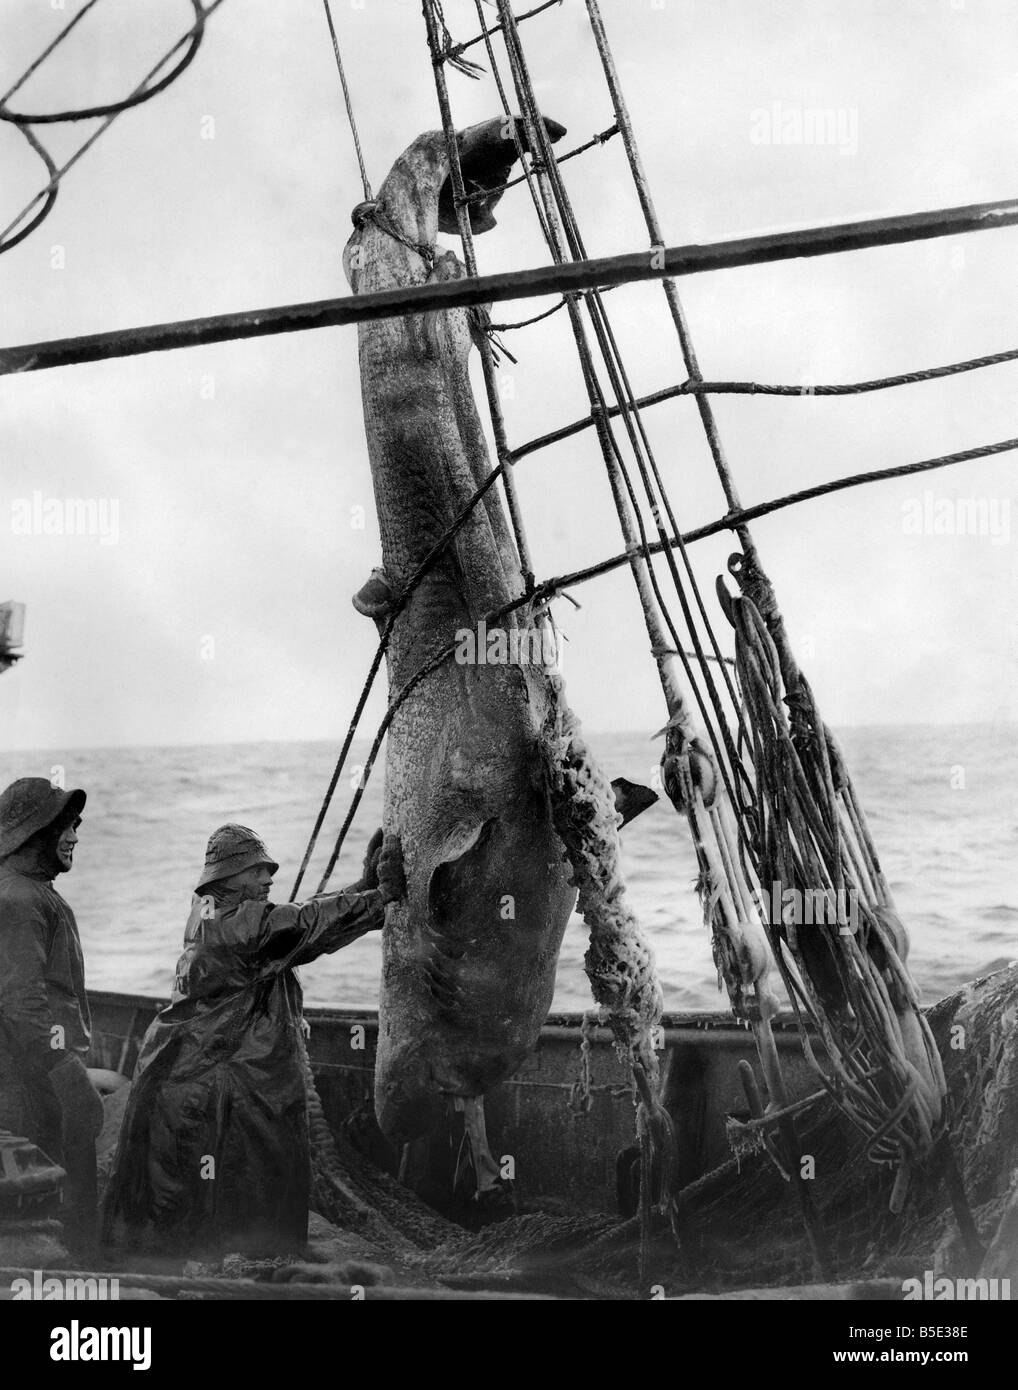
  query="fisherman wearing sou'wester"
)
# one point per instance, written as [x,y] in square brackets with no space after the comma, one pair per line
[214,1152]
[45,1024]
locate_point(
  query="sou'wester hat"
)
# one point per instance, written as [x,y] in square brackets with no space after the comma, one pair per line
[29,805]
[231,850]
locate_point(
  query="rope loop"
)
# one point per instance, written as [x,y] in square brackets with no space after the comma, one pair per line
[374,212]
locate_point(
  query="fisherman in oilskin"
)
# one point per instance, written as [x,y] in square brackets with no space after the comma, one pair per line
[214,1153]
[45,1024]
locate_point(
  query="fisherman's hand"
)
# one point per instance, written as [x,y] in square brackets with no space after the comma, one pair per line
[369,874]
[391,875]
[81,1106]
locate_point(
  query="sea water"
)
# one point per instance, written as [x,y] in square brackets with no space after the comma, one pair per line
[942,805]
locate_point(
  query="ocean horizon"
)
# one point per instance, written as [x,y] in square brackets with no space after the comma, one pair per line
[940,801]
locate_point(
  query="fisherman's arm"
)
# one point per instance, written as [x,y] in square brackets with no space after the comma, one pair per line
[330,921]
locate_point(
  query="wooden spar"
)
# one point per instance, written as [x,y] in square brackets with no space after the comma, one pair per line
[573,277]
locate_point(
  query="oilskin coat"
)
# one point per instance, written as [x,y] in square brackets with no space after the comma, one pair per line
[43,1006]
[214,1151]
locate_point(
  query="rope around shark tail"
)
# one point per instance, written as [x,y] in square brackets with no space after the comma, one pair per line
[619,961]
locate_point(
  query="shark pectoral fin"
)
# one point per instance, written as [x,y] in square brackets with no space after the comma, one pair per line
[455,865]
[374,598]
[631,799]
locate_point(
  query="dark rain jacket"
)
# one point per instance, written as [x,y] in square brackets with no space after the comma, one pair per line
[44,1010]
[214,1151]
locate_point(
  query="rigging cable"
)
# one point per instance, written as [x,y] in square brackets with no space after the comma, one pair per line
[552,193]
[193,39]
[435,22]
[368,196]
[812,818]
[746,514]
[37,62]
[194,33]
[755,388]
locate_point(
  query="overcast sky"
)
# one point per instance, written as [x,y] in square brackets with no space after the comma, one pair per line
[235,468]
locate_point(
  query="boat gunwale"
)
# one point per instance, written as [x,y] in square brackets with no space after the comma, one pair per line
[675,1025]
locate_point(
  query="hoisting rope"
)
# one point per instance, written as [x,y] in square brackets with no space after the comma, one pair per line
[439,41]
[349,104]
[398,605]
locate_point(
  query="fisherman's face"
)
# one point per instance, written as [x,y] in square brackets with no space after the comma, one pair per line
[64,847]
[252,885]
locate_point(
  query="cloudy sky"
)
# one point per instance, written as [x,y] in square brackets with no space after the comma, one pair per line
[219,609]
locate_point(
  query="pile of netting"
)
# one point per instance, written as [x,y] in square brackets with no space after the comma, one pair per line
[739,1225]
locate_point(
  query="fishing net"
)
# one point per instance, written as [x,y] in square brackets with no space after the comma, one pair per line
[739,1225]
[844,965]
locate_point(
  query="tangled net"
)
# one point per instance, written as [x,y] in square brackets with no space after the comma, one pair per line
[740,1225]
[846,973]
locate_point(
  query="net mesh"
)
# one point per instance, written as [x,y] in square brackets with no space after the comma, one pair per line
[739,1224]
